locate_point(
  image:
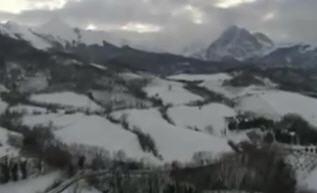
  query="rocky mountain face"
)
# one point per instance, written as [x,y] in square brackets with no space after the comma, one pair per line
[239,44]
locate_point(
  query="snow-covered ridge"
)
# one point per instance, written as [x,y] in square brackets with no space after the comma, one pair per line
[56,31]
[17,31]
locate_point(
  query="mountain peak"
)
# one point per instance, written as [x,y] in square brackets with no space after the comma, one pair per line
[238,43]
[233,28]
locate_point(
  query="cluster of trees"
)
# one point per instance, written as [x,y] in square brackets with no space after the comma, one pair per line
[147,143]
[145,140]
[243,79]
[139,182]
[245,122]
[294,129]
[257,169]
[290,129]
[207,94]
[291,79]
[41,141]
[253,169]
[163,110]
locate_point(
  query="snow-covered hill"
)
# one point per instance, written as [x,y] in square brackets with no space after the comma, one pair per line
[173,142]
[274,104]
[209,118]
[170,92]
[67,99]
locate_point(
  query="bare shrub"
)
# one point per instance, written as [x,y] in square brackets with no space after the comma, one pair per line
[305,132]
[41,141]
[57,156]
[11,120]
[38,138]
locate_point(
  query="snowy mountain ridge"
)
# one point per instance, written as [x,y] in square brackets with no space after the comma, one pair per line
[234,44]
[57,31]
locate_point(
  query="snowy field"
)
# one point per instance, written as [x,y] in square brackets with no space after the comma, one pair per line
[209,118]
[98,66]
[274,104]
[31,185]
[118,100]
[67,99]
[3,88]
[93,131]
[219,77]
[3,106]
[99,132]
[230,91]
[5,148]
[59,120]
[27,109]
[173,143]
[211,82]
[311,180]
[33,84]
[170,92]
[131,76]
[214,83]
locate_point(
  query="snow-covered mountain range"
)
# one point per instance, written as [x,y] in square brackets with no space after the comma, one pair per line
[234,44]
[56,31]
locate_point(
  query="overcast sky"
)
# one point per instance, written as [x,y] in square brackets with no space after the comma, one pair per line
[174,23]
